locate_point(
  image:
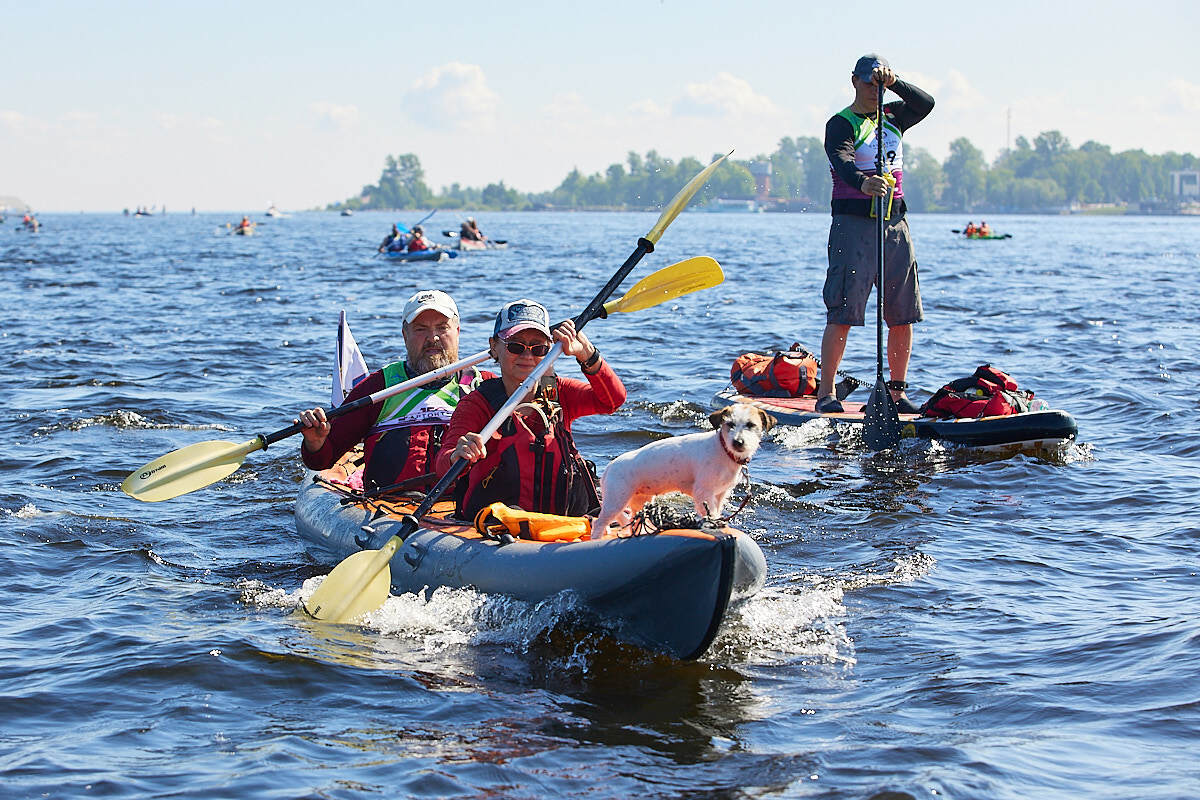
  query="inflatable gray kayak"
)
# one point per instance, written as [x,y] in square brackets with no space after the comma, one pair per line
[667,592]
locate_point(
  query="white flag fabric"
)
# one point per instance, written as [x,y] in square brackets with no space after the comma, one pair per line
[349,366]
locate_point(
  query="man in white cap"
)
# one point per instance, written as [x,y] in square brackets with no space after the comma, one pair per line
[402,435]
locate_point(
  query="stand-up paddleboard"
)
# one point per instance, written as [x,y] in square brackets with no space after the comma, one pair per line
[1046,429]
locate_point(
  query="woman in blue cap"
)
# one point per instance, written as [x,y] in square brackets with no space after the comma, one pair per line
[531,462]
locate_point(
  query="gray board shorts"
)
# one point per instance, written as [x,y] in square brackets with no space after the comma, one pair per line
[852,267]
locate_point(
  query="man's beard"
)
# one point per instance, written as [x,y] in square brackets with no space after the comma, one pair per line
[434,359]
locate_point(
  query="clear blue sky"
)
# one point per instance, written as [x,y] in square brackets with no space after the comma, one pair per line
[230,106]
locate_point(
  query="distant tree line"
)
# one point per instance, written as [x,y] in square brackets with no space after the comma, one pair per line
[1047,175]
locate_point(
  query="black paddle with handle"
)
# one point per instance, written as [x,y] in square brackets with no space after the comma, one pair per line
[881,428]
[362,581]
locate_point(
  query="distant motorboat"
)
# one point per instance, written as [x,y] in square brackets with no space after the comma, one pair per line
[347,212]
[272,211]
[727,205]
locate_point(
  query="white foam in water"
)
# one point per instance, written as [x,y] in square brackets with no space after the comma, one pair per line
[27,511]
[799,437]
[257,593]
[446,617]
[438,619]
[782,625]
[777,625]
[124,420]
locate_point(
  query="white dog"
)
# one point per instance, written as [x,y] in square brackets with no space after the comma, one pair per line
[705,466]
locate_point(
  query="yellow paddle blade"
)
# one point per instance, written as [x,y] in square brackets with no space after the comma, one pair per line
[681,200]
[187,469]
[354,587]
[668,283]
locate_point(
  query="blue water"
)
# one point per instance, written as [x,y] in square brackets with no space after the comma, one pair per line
[936,622]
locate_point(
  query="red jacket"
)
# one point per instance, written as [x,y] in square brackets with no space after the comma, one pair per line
[509,472]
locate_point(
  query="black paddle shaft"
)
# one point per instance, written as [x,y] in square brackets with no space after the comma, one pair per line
[879,229]
[881,428]
[590,312]
[330,413]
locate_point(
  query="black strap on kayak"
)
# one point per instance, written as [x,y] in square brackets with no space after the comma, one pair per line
[400,486]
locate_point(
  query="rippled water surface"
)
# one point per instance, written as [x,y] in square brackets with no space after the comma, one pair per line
[936,622]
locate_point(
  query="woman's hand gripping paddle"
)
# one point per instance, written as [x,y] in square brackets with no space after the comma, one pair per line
[204,463]
[881,420]
[361,582]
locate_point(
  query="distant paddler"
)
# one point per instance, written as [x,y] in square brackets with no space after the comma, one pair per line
[469,231]
[394,241]
[418,242]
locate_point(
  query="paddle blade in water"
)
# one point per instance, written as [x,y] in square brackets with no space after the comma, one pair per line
[668,283]
[187,469]
[355,587]
[881,428]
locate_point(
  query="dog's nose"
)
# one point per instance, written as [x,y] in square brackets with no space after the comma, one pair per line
[738,443]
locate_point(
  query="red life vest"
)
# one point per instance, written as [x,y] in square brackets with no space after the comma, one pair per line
[533,466]
[987,393]
[417,244]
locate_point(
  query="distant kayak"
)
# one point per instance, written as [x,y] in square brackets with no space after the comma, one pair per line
[471,244]
[981,235]
[1032,430]
[421,255]
[243,231]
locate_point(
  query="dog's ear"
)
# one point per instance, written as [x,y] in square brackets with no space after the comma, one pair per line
[766,419]
[718,418]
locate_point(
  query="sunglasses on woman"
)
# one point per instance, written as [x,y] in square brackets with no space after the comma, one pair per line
[517,348]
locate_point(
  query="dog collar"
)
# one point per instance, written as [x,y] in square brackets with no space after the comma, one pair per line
[741,461]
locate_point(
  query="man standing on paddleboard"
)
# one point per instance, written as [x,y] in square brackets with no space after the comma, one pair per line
[850,144]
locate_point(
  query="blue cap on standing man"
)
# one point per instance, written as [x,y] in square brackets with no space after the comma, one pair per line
[867,65]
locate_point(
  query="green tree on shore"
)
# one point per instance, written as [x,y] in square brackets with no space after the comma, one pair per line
[1045,175]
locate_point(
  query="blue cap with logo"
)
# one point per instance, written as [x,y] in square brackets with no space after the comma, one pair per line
[867,64]
[520,315]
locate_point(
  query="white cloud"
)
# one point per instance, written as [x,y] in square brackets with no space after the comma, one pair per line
[333,116]
[1182,96]
[648,108]
[724,95]
[567,107]
[955,93]
[80,120]
[17,123]
[454,95]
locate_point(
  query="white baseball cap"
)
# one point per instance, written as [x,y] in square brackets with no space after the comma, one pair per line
[430,299]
